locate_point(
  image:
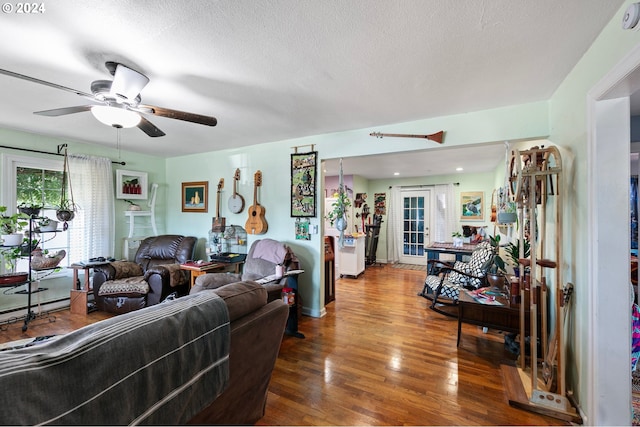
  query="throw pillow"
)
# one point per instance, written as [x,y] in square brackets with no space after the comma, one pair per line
[130,286]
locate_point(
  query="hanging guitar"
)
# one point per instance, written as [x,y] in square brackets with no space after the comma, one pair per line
[236,201]
[256,224]
[218,222]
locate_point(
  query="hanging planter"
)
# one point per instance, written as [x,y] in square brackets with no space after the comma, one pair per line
[67,209]
[337,216]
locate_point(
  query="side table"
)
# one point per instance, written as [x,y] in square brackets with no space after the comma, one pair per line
[504,317]
[80,290]
[199,269]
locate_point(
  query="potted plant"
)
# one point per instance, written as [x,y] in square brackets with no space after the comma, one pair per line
[457,239]
[47,224]
[507,211]
[30,209]
[337,214]
[513,251]
[10,257]
[497,272]
[10,226]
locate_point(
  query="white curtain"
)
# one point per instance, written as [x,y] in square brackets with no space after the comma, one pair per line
[93,228]
[393,255]
[445,213]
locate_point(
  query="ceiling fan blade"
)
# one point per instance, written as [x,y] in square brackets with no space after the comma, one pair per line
[45,83]
[149,128]
[127,83]
[62,111]
[179,115]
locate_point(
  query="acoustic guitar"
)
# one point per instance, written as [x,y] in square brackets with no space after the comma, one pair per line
[256,224]
[218,222]
[236,201]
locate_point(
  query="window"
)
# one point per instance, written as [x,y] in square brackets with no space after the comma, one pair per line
[37,181]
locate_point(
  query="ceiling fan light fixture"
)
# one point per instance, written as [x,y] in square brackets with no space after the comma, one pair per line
[116,117]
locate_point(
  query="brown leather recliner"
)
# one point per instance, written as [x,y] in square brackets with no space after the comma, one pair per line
[123,286]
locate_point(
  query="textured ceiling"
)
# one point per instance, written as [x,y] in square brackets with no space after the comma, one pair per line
[270,70]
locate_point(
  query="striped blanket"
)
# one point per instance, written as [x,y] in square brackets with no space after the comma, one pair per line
[159,365]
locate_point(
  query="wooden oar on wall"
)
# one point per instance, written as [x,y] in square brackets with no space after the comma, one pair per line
[437,137]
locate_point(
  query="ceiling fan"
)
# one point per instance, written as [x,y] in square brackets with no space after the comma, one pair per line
[117,101]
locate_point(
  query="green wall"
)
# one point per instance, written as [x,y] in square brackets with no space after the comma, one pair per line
[526,121]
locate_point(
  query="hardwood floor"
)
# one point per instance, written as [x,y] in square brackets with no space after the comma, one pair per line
[379,357]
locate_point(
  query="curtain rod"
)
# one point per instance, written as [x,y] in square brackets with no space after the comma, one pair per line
[425,185]
[60,147]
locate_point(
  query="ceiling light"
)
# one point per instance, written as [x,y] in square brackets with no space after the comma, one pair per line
[116,117]
[459,169]
[396,173]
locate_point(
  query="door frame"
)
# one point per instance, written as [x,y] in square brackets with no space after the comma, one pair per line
[608,346]
[429,222]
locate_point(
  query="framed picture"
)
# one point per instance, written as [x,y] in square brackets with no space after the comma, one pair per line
[472,205]
[195,196]
[131,185]
[303,184]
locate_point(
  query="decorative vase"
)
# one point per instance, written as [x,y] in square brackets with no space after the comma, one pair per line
[341,224]
[497,281]
[457,242]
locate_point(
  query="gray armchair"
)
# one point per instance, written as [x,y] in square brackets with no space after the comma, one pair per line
[123,286]
[261,261]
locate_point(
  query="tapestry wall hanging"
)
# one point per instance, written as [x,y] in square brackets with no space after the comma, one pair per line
[380,203]
[303,184]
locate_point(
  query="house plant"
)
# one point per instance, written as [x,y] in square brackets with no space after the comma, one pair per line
[10,226]
[47,224]
[497,272]
[513,252]
[337,214]
[30,209]
[457,239]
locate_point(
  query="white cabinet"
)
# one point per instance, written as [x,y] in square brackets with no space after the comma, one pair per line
[352,261]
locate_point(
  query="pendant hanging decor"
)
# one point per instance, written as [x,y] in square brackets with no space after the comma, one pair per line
[341,205]
[67,209]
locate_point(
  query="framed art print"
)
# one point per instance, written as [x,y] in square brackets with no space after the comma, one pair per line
[195,196]
[131,185]
[472,205]
[303,184]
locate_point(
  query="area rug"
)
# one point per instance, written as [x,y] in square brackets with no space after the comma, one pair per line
[410,266]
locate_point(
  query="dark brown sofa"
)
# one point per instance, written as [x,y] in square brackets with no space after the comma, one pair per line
[256,334]
[205,358]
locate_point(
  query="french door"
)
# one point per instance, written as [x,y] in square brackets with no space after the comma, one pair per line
[414,226]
